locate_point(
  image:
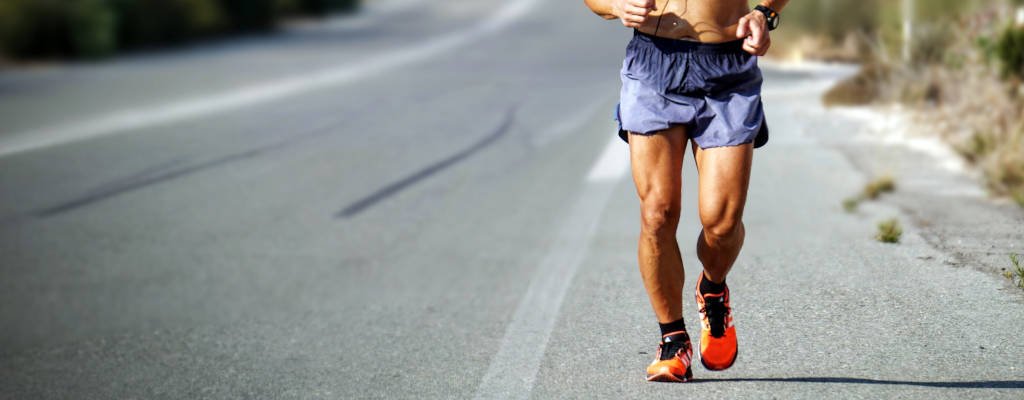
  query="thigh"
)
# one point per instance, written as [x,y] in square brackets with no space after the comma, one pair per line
[657,163]
[723,178]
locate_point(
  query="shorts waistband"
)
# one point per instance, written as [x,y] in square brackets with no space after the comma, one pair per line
[687,46]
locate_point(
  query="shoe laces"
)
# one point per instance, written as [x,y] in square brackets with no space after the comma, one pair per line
[716,312]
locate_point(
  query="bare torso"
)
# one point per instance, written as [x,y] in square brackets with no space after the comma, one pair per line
[709,21]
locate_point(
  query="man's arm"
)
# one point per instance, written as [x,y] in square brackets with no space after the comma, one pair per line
[753,28]
[633,13]
[602,8]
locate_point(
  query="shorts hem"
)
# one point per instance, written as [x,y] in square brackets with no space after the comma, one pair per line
[759,138]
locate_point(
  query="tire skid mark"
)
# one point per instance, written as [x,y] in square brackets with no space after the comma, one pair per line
[395,187]
[155,175]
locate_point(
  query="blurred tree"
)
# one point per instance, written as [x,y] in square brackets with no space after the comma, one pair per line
[1008,49]
[144,23]
[834,19]
[93,28]
[34,28]
[322,7]
[880,24]
[250,15]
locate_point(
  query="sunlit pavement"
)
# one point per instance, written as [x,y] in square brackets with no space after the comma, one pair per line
[431,203]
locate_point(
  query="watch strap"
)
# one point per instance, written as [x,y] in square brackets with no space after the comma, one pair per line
[770,15]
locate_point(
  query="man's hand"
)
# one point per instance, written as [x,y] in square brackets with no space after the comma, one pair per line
[753,28]
[633,13]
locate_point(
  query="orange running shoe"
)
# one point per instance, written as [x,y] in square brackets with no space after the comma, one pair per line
[672,364]
[718,348]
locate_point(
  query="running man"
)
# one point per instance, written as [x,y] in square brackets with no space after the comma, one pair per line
[690,75]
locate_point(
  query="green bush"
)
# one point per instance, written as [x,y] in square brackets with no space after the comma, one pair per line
[1006,49]
[93,28]
[152,22]
[1009,50]
[322,7]
[250,15]
[51,28]
[316,8]
[34,28]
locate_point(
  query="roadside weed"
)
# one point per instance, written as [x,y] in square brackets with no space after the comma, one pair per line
[1017,272]
[850,204]
[872,191]
[875,188]
[889,231]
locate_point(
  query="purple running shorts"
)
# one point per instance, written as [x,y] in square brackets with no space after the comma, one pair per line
[714,90]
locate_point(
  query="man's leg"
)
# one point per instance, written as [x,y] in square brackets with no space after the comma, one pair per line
[657,171]
[657,162]
[723,174]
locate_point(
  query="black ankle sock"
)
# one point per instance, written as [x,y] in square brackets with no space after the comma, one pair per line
[674,326]
[707,286]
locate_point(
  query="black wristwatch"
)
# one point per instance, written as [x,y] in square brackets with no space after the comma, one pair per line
[770,15]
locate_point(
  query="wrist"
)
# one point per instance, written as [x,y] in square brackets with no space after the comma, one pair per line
[771,16]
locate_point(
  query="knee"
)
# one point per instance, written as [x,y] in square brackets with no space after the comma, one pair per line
[722,229]
[659,216]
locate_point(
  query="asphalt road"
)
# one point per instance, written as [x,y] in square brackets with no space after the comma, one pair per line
[429,203]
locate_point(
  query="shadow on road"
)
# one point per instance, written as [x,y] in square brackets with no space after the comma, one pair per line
[833,379]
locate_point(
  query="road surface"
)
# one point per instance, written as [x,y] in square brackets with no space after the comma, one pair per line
[430,203]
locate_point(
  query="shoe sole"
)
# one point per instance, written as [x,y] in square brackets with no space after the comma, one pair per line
[727,366]
[670,377]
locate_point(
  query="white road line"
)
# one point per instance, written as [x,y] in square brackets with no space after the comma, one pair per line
[614,162]
[129,119]
[513,370]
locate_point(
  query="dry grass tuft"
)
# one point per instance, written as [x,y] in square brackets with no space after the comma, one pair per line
[878,186]
[872,191]
[850,204]
[889,231]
